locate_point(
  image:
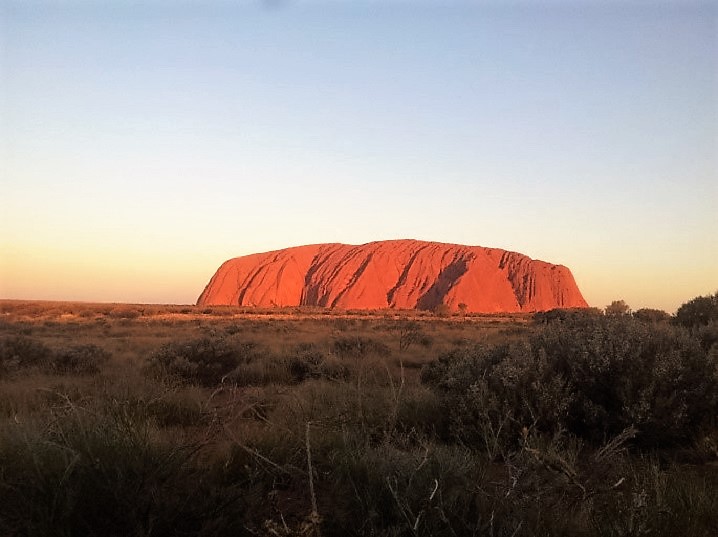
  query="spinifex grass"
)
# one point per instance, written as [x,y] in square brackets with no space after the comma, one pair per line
[194,422]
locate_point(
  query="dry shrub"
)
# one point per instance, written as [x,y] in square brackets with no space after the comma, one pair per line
[78,360]
[87,474]
[590,376]
[205,361]
[359,347]
[306,361]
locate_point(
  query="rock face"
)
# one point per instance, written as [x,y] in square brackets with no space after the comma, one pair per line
[402,274]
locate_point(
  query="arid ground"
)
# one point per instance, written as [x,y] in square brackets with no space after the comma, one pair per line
[147,420]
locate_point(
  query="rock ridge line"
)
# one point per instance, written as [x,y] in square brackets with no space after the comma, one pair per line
[397,274]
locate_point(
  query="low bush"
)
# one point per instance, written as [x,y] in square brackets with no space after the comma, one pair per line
[651,315]
[593,377]
[566,314]
[701,310]
[18,352]
[411,332]
[125,312]
[307,361]
[78,360]
[205,361]
[359,347]
[270,370]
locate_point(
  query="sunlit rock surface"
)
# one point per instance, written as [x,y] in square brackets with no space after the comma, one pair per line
[402,274]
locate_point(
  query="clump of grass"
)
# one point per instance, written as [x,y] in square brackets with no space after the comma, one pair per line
[306,361]
[88,474]
[359,347]
[205,361]
[78,360]
[19,352]
[269,370]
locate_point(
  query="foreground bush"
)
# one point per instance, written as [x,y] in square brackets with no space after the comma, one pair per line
[17,352]
[84,474]
[591,376]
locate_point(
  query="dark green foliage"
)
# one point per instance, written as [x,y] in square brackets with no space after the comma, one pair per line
[651,315]
[708,335]
[700,311]
[563,314]
[617,308]
[593,378]
[700,316]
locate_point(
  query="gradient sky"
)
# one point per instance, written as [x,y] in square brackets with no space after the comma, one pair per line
[143,143]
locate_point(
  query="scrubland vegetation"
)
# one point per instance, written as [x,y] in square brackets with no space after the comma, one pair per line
[120,420]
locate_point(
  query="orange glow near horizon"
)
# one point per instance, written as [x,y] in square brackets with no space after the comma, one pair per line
[143,144]
[174,280]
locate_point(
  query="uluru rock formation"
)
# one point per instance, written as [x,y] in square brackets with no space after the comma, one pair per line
[402,274]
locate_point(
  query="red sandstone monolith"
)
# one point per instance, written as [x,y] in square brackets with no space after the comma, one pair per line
[401,274]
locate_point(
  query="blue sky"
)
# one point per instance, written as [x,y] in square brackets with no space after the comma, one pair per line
[143,143]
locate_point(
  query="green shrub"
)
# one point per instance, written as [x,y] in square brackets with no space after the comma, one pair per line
[651,315]
[707,335]
[563,314]
[617,308]
[624,372]
[593,377]
[699,311]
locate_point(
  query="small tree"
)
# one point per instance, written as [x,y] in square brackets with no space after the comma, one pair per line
[617,308]
[462,309]
[699,311]
[410,332]
[651,315]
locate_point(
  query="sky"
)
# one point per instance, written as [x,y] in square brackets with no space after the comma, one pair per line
[144,143]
